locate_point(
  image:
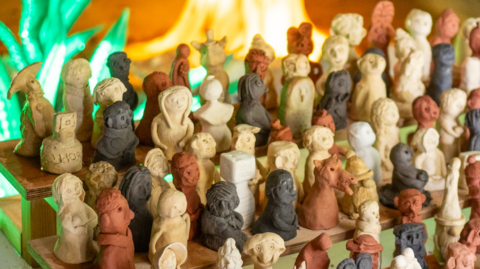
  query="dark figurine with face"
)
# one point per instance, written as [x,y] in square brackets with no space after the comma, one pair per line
[385,76]
[279,215]
[219,220]
[411,235]
[119,66]
[472,123]
[443,56]
[118,142]
[136,187]
[405,176]
[251,111]
[337,91]
[362,261]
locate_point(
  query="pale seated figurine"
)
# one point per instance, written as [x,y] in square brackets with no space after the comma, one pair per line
[264,249]
[404,45]
[318,140]
[100,176]
[460,257]
[172,128]
[335,54]
[172,223]
[406,260]
[429,158]
[62,152]
[368,221]
[228,256]
[214,115]
[419,24]
[470,80]
[77,97]
[452,104]
[106,92]
[202,145]
[361,138]
[369,89]
[172,256]
[76,221]
[158,165]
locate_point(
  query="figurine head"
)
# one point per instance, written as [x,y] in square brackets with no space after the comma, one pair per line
[26,82]
[295,65]
[357,167]
[330,170]
[335,51]
[460,257]
[64,124]
[365,243]
[360,135]
[237,166]
[322,118]
[118,116]
[369,211]
[244,138]
[172,256]
[256,62]
[425,111]
[349,25]
[171,204]
[474,40]
[76,73]
[259,43]
[371,64]
[155,83]
[119,64]
[157,163]
[412,65]
[418,22]
[114,215]
[101,175]
[280,132]
[183,51]
[472,175]
[299,40]
[473,101]
[108,91]
[338,85]
[317,138]
[443,55]
[384,113]
[381,30]
[228,256]
[401,155]
[185,170]
[66,189]
[202,145]
[409,203]
[321,242]
[250,88]
[222,199]
[211,89]
[264,249]
[212,52]
[426,140]
[447,24]
[470,235]
[283,155]
[409,234]
[136,186]
[279,187]
[176,99]
[404,44]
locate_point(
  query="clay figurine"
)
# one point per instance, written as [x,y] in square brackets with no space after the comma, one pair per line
[118,142]
[470,234]
[473,100]
[180,67]
[473,133]
[228,256]
[119,65]
[462,40]
[363,261]
[219,220]
[419,24]
[472,175]
[366,244]
[37,113]
[426,112]
[100,176]
[106,92]
[411,235]
[446,27]
[317,140]
[280,132]
[202,146]
[115,238]
[337,91]
[214,115]
[364,190]
[298,93]
[171,129]
[464,156]
[186,174]
[158,165]
[404,46]
[314,253]
[212,57]
[409,203]
[62,152]
[368,221]
[172,223]
[335,55]
[385,75]
[406,260]
[459,256]
[319,210]
[77,97]
[76,221]
[172,256]
[471,65]
[153,85]
[136,187]
[322,118]
[441,79]
[361,137]
[405,176]
[264,249]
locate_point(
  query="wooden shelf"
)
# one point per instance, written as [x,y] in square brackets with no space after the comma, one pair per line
[11,220]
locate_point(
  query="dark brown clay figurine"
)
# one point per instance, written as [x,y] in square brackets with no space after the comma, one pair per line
[472,175]
[366,244]
[470,235]
[314,253]
[409,203]
[322,118]
[180,67]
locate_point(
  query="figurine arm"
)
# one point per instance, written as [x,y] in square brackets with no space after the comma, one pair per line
[279,223]
[451,129]
[36,117]
[67,224]
[238,219]
[155,138]
[154,239]
[186,218]
[188,134]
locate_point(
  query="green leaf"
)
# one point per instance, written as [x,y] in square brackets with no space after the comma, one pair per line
[76,42]
[33,14]
[16,54]
[71,10]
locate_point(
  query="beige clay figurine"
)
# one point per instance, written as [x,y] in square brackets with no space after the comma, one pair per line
[264,249]
[228,256]
[172,256]
[335,55]
[368,221]
[101,175]
[158,165]
[404,45]
[419,25]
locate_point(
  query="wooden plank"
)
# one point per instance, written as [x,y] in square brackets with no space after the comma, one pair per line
[11,220]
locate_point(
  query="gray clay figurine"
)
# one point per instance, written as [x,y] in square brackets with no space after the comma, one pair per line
[472,123]
[251,111]
[118,141]
[219,220]
[405,176]
[337,91]
[411,235]
[363,261]
[136,187]
[443,56]
[385,76]
[279,215]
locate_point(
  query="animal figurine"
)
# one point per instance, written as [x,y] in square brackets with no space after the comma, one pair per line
[118,142]
[471,65]
[106,92]
[212,57]
[470,235]
[119,66]
[404,176]
[62,152]
[115,238]
[335,55]
[447,27]
[361,138]
[364,190]
[317,140]
[136,187]
[219,220]
[473,178]
[180,67]
[363,261]
[322,118]
[472,134]
[279,216]
[171,129]
[426,112]
[214,115]
[172,224]
[264,249]
[459,256]
[77,97]
[334,100]
[319,210]
[172,256]
[76,221]
[411,235]
[280,132]
[405,260]
[441,79]
[228,256]
[269,100]
[368,221]
[298,93]
[100,176]
[37,113]
[419,24]
[365,244]
[404,45]
[153,85]
[314,253]
[251,111]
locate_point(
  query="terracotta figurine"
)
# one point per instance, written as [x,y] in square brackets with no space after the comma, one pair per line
[441,79]
[446,27]
[405,260]
[322,118]
[409,203]
[172,256]
[228,256]
[473,100]
[462,42]
[472,175]
[100,176]
[368,221]
[335,55]
[180,67]
[337,92]
[119,65]
[264,249]
[404,46]
[257,62]
[459,256]
[464,156]
[426,112]
[280,132]
[471,65]
[411,235]
[314,253]
[470,235]
[419,24]
[366,244]
[472,130]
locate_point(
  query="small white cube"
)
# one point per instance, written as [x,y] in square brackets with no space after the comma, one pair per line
[237,166]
